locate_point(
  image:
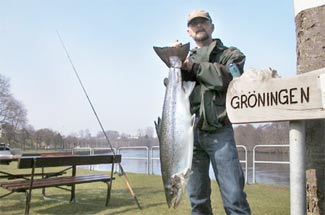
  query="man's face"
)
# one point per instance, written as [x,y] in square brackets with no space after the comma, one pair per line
[200,29]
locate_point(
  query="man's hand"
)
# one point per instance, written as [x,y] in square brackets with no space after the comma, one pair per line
[177,44]
[188,64]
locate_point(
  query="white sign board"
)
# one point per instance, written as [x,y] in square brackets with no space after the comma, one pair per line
[259,96]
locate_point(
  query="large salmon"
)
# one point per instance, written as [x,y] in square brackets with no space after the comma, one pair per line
[175,128]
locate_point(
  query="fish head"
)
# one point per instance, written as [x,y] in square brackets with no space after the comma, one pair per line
[175,189]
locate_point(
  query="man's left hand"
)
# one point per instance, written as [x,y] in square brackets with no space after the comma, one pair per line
[188,64]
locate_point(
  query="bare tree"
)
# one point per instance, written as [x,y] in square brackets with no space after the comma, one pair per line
[4,86]
[16,114]
[71,141]
[13,115]
[8,134]
[112,135]
[4,98]
[25,138]
[140,132]
[47,138]
[275,133]
[149,132]
[247,135]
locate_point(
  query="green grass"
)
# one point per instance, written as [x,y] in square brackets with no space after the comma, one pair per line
[264,199]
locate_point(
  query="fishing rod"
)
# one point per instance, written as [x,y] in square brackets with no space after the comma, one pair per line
[99,122]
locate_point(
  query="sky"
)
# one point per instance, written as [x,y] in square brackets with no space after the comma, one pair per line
[110,43]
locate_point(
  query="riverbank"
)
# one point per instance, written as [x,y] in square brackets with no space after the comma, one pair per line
[264,199]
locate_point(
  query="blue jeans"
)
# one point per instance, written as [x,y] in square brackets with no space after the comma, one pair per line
[219,148]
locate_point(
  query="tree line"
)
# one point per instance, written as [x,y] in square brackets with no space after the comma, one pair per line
[276,133]
[16,131]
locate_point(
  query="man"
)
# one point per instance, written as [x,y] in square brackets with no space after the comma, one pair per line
[213,136]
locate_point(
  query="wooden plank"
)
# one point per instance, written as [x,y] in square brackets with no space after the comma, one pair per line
[55,161]
[257,98]
[45,174]
[47,154]
[22,185]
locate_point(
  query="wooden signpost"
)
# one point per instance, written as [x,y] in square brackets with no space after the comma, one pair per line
[257,97]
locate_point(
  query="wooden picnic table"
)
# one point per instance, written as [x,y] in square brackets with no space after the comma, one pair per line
[67,161]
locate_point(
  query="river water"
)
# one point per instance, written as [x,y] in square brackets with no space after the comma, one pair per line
[136,161]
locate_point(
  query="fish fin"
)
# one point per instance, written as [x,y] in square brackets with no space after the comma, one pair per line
[157,126]
[166,81]
[187,174]
[188,87]
[166,52]
[193,117]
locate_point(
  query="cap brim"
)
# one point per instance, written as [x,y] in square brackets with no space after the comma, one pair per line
[190,20]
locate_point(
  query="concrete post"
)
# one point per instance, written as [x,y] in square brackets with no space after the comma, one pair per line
[297,168]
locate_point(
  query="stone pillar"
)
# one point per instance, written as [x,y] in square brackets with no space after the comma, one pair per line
[310,32]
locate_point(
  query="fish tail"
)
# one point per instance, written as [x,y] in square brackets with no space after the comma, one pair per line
[166,52]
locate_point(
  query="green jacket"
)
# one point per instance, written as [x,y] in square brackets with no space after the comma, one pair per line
[208,98]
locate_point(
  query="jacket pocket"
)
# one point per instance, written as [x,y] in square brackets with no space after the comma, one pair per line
[214,110]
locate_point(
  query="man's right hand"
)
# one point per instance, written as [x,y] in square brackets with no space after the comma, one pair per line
[177,44]
[187,64]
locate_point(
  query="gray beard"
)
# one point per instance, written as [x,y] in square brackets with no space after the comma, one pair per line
[201,37]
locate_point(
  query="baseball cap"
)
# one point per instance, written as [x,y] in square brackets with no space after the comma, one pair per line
[198,13]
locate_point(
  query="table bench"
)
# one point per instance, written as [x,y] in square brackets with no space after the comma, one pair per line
[71,162]
[26,176]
